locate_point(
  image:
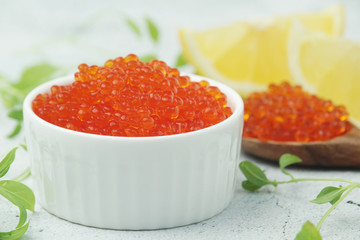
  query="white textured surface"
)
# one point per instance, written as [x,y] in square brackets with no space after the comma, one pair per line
[40,30]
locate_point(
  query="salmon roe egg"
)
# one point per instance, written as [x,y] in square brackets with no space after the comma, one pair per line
[287,113]
[127,97]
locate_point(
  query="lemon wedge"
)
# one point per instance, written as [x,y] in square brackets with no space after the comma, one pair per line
[247,56]
[325,65]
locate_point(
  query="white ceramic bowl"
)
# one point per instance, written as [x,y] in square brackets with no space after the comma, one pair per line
[134,182]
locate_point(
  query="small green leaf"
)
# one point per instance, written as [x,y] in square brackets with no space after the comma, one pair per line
[308,232]
[22,192]
[9,95]
[15,131]
[17,202]
[133,26]
[153,30]
[288,159]
[34,76]
[247,185]
[23,146]
[15,234]
[253,174]
[8,99]
[180,61]
[329,194]
[147,58]
[18,194]
[22,176]
[7,161]
[16,114]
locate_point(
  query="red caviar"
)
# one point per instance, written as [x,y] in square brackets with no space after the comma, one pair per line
[127,97]
[287,113]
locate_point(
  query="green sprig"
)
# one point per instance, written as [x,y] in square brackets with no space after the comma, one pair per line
[256,178]
[148,58]
[308,232]
[13,94]
[133,26]
[180,61]
[18,194]
[153,30]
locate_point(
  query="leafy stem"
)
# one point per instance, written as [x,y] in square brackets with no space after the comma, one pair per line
[13,94]
[349,189]
[256,178]
[22,176]
[10,90]
[18,194]
[295,180]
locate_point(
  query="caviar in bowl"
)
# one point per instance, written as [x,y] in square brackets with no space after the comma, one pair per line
[134,182]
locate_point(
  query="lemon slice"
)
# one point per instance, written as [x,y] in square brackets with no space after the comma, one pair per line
[248,56]
[327,66]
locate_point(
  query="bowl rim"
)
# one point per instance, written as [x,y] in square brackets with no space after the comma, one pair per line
[45,87]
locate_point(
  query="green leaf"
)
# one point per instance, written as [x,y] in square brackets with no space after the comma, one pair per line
[34,76]
[14,234]
[308,232]
[23,146]
[153,30]
[16,114]
[133,26]
[180,61]
[147,58]
[15,131]
[9,95]
[22,176]
[18,194]
[329,194]
[253,174]
[288,159]
[17,202]
[22,193]
[247,185]
[7,161]
[8,99]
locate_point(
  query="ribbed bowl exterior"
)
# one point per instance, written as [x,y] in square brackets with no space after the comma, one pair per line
[133,183]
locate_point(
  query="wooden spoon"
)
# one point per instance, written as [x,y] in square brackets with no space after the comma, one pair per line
[341,151]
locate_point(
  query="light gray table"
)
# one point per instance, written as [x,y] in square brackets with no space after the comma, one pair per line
[53,31]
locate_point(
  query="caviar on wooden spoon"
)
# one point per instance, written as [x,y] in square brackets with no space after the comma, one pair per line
[286,119]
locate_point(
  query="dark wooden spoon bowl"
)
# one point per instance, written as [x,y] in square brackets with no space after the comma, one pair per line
[342,151]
